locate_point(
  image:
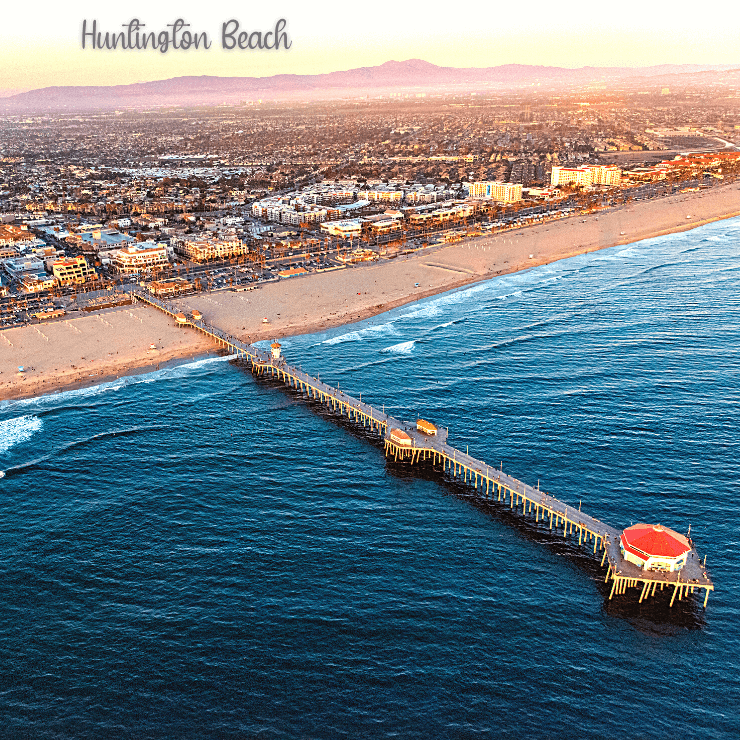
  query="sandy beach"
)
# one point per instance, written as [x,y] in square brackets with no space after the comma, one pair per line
[87,349]
[90,349]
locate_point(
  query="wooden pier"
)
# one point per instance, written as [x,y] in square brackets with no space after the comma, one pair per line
[490,483]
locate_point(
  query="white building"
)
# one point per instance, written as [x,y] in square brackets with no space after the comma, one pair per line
[506,192]
[140,257]
[202,249]
[578,176]
[383,196]
[586,176]
[345,229]
[603,175]
[652,547]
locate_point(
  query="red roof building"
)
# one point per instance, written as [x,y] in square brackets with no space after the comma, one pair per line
[400,438]
[653,547]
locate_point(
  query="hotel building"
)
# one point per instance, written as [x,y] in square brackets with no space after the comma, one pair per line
[137,258]
[506,192]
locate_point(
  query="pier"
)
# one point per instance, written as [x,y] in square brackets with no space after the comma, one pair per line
[405,441]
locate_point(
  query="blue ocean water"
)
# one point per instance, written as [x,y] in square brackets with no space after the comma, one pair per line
[195,553]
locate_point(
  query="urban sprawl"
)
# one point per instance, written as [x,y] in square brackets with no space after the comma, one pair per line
[227,197]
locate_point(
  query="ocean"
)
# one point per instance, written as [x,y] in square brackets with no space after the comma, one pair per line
[197,553]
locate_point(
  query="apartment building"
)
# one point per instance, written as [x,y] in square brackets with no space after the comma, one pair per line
[381,196]
[586,176]
[136,258]
[71,271]
[506,192]
[603,175]
[578,176]
[204,249]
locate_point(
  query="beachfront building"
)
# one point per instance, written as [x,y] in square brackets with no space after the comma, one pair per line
[170,287]
[71,271]
[603,175]
[381,224]
[206,248]
[576,176]
[35,282]
[506,192]
[136,258]
[358,255]
[586,176]
[346,229]
[293,272]
[653,547]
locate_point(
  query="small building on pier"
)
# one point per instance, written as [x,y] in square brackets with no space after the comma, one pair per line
[426,427]
[275,348]
[400,438]
[653,547]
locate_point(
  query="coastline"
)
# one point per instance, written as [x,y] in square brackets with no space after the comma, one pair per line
[53,385]
[96,348]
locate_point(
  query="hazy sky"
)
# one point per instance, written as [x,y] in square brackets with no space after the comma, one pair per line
[40,46]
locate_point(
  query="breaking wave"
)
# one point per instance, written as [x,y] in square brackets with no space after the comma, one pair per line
[16,431]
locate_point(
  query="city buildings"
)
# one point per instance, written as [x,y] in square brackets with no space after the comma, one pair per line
[205,248]
[71,271]
[586,176]
[506,192]
[345,229]
[136,258]
[575,176]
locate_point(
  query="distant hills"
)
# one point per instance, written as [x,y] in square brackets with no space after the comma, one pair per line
[413,74]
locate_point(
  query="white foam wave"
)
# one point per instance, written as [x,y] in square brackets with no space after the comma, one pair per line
[403,348]
[353,336]
[57,399]
[376,330]
[446,324]
[423,312]
[16,431]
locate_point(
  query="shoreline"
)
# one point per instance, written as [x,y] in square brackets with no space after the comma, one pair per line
[386,286]
[91,380]
[475,279]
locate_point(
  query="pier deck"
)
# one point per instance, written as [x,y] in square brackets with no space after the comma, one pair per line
[489,482]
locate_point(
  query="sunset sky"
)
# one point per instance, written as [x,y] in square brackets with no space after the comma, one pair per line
[40,46]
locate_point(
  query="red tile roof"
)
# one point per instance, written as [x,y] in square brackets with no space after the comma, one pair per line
[652,540]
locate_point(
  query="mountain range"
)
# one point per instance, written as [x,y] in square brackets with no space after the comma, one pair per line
[413,74]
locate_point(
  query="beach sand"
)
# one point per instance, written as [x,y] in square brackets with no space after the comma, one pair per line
[84,350]
[90,349]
